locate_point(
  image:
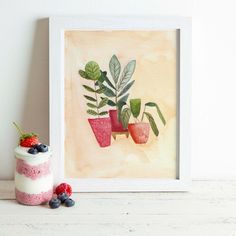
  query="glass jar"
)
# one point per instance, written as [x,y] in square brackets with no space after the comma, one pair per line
[33,177]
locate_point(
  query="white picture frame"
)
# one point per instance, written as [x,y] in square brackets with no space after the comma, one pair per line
[57,26]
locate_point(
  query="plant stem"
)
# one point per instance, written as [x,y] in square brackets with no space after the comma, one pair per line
[96,99]
[18,128]
[143,113]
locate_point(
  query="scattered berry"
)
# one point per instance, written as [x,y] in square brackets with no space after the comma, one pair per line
[33,151]
[42,147]
[54,203]
[63,188]
[62,197]
[27,139]
[69,202]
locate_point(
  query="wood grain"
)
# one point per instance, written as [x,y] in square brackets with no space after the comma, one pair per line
[208,209]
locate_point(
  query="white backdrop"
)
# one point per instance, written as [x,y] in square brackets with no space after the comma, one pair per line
[24,73]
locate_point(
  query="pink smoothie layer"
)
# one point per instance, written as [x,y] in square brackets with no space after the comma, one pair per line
[33,172]
[33,199]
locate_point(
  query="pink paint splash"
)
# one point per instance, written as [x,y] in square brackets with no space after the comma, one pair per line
[33,172]
[33,199]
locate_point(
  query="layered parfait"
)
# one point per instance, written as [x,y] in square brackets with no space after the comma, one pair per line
[33,175]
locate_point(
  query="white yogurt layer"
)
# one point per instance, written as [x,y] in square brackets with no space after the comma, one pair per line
[27,185]
[34,159]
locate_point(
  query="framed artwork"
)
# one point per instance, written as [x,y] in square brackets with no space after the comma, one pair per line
[120,91]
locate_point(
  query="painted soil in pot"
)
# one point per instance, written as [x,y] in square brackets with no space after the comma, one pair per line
[116,125]
[102,130]
[139,132]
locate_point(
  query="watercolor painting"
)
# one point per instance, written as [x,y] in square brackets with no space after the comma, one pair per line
[120,104]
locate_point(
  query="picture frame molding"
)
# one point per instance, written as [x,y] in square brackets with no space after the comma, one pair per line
[57,26]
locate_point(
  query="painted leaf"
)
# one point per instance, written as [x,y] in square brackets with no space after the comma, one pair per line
[91,105]
[103,102]
[88,88]
[126,88]
[83,74]
[127,74]
[103,113]
[135,106]
[152,123]
[111,103]
[100,90]
[153,104]
[104,77]
[92,112]
[114,66]
[120,105]
[124,98]
[108,92]
[125,116]
[92,70]
[90,98]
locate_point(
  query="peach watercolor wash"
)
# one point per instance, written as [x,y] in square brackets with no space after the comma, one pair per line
[155,80]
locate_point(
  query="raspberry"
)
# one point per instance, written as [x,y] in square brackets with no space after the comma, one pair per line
[63,188]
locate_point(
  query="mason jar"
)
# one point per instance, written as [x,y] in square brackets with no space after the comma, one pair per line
[33,177]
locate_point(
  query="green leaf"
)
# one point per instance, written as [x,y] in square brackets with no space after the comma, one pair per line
[111,103]
[83,74]
[153,104]
[126,88]
[124,98]
[100,90]
[114,66]
[92,112]
[103,102]
[103,113]
[102,76]
[92,70]
[88,88]
[108,92]
[120,105]
[91,105]
[90,98]
[152,123]
[135,105]
[125,116]
[127,74]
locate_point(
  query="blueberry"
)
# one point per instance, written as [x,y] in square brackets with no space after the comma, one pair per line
[42,148]
[62,197]
[54,203]
[69,202]
[33,151]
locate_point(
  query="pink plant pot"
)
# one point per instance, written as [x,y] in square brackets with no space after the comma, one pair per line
[116,125]
[102,130]
[139,132]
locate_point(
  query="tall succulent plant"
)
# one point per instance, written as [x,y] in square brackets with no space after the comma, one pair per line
[93,73]
[117,90]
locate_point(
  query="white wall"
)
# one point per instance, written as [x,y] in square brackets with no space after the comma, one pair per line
[24,73]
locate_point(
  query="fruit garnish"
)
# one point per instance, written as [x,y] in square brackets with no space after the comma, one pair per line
[54,203]
[69,202]
[33,151]
[42,148]
[26,139]
[63,188]
[62,197]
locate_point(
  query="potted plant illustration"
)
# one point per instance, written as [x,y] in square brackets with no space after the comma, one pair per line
[101,126]
[139,130]
[117,91]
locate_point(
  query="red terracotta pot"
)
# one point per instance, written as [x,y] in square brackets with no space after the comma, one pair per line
[116,125]
[139,132]
[102,130]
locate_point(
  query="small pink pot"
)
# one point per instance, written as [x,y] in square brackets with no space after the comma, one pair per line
[139,132]
[116,125]
[102,130]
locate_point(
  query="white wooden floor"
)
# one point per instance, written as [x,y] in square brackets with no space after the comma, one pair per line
[208,210]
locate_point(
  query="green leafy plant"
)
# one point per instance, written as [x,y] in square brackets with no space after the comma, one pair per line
[117,90]
[134,109]
[95,103]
